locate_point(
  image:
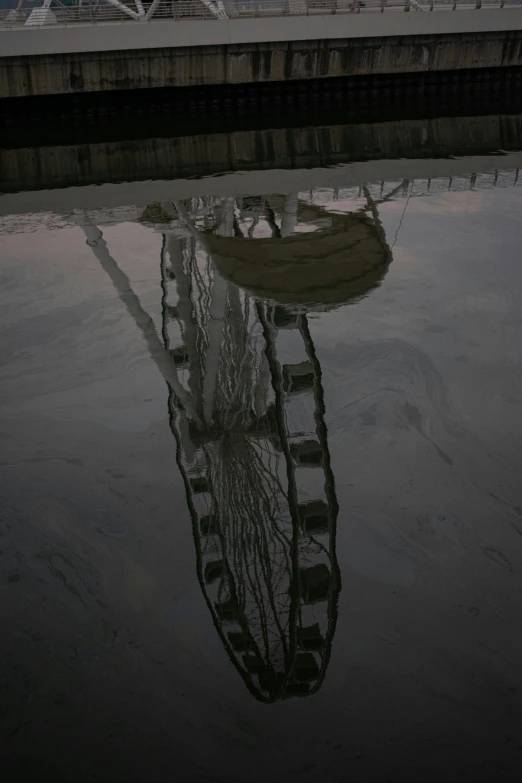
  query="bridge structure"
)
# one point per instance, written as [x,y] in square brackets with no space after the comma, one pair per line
[84,46]
[50,12]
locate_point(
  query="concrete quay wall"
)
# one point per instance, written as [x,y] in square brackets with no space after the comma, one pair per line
[38,70]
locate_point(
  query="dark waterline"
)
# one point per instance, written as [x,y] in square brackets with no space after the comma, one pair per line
[136,114]
[261,508]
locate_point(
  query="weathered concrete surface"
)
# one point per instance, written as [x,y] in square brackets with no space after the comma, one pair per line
[255,62]
[283,148]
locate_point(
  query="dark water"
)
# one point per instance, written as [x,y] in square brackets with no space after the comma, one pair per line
[260,465]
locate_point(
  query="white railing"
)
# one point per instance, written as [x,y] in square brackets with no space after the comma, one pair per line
[52,12]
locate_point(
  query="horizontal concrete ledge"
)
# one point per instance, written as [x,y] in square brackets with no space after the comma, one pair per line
[251,183]
[166,33]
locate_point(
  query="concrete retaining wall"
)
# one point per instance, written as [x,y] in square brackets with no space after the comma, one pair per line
[255,62]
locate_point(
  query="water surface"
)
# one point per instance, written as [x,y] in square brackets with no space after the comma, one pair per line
[261,505]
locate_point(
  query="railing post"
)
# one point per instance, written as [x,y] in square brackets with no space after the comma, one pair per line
[16,14]
[151,9]
[406,5]
[478,4]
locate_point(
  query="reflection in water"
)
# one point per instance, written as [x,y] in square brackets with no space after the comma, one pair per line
[168,156]
[246,408]
[111,660]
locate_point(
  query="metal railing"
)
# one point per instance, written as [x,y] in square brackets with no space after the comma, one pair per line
[102,11]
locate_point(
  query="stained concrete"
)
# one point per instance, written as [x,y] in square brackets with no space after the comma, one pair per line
[257,63]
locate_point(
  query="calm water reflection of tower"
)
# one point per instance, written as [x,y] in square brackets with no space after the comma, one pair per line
[237,276]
